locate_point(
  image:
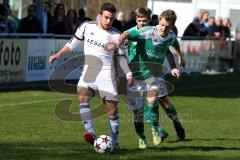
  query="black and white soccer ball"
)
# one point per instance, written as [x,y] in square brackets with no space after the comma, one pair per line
[103,144]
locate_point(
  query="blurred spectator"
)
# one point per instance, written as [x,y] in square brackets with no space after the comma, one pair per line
[204,18]
[72,16]
[47,18]
[118,25]
[226,33]
[13,20]
[210,26]
[191,31]
[8,22]
[218,28]
[3,18]
[61,24]
[82,16]
[198,17]
[149,12]
[30,24]
[154,20]
[121,19]
[131,21]
[196,29]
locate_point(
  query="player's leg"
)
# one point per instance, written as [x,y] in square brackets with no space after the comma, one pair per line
[151,114]
[172,114]
[136,103]
[152,110]
[109,95]
[112,111]
[152,117]
[85,96]
[139,127]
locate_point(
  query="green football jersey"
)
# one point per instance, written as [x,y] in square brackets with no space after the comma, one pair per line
[147,51]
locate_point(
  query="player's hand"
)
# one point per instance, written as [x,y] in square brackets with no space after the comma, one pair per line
[129,79]
[181,62]
[176,73]
[111,47]
[53,58]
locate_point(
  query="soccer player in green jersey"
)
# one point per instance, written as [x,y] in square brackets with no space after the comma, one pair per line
[148,46]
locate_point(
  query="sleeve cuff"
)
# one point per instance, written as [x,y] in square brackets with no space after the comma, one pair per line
[129,74]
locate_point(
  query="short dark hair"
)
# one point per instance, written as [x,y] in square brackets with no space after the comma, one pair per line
[169,15]
[142,12]
[108,7]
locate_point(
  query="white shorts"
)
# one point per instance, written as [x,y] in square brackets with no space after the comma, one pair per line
[137,93]
[104,83]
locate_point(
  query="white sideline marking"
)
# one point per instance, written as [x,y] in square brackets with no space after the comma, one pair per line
[29,102]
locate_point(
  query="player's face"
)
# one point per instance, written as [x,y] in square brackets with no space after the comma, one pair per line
[164,27]
[106,19]
[142,22]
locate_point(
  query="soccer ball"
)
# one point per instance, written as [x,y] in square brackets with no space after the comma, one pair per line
[103,144]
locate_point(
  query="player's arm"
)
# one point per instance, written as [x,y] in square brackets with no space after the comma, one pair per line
[176,46]
[122,61]
[111,47]
[132,34]
[124,36]
[60,53]
[174,70]
[129,34]
[71,45]
[170,59]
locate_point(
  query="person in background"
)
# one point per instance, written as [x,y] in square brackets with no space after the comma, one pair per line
[218,28]
[30,24]
[226,23]
[61,23]
[210,26]
[154,20]
[82,16]
[204,20]
[9,21]
[121,18]
[196,29]
[131,21]
[198,16]
[47,18]
[74,23]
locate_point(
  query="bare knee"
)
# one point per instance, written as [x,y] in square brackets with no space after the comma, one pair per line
[151,96]
[83,99]
[165,103]
[85,95]
[112,108]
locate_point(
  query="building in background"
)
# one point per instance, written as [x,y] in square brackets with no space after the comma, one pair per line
[187,9]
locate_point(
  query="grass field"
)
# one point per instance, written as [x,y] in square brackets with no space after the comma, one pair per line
[209,107]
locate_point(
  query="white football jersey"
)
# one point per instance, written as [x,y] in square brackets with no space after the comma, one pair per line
[95,40]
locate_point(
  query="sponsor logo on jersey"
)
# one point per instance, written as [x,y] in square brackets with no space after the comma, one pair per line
[95,43]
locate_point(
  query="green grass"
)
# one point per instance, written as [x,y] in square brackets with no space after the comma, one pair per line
[209,107]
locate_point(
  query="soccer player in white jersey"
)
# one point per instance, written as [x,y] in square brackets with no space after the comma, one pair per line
[98,72]
[151,45]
